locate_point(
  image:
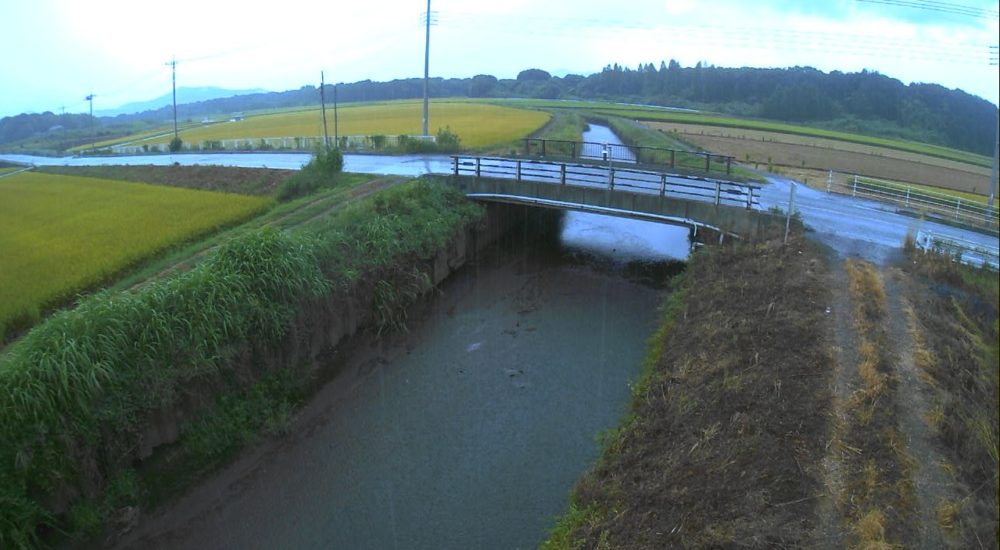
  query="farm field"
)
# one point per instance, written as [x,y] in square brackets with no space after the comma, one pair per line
[61,234]
[810,153]
[478,124]
[662,114]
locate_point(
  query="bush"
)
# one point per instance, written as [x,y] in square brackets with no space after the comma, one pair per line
[448,141]
[176,144]
[321,172]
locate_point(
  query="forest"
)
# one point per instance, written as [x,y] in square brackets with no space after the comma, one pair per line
[865,102]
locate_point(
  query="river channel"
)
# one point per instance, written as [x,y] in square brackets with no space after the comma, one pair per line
[469,430]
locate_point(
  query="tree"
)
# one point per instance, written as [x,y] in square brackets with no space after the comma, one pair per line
[533,75]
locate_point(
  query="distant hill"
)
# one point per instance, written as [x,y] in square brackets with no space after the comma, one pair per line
[185,95]
[865,102]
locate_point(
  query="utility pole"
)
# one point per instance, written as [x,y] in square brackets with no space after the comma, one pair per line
[427,61]
[994,61]
[336,130]
[322,102]
[93,131]
[173,69]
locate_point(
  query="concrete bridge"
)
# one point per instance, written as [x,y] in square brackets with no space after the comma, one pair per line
[701,203]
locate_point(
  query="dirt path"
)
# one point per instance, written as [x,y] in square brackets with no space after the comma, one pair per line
[829,531]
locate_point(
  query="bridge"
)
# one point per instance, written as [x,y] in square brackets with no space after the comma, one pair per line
[700,203]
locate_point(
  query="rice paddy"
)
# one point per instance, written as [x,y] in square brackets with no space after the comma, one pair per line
[60,235]
[479,125]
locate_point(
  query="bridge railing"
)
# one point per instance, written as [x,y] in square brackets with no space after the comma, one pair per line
[720,192]
[673,158]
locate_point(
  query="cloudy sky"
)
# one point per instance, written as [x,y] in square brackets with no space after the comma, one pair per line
[56,52]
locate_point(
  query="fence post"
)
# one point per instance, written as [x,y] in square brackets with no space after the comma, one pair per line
[749,197]
[478,172]
[729,166]
[708,160]
[791,208]
[562,174]
[907,195]
[454,164]
[958,207]
[611,178]
[829,181]
[572,154]
[527,147]
[518,176]
[718,193]
[672,158]
[543,147]
[663,184]
[855,192]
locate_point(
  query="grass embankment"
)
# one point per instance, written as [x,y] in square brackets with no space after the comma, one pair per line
[61,235]
[223,179]
[479,125]
[878,496]
[727,425]
[957,349]
[77,390]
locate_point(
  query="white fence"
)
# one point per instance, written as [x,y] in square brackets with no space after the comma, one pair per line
[300,143]
[942,206]
[961,250]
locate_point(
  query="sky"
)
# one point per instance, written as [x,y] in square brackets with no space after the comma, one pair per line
[56,52]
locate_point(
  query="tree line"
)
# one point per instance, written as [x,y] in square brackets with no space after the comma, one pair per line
[864,102]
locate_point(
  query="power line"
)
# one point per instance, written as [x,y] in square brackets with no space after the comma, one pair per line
[940,7]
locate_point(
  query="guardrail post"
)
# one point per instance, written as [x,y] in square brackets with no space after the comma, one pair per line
[478,171]
[672,158]
[855,192]
[708,160]
[543,147]
[611,178]
[729,166]
[663,184]
[454,164]
[562,174]
[718,193]
[958,207]
[518,176]
[829,181]
[572,153]
[749,198]
[907,196]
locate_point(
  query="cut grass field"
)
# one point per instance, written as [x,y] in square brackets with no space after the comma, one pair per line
[478,124]
[797,154]
[60,234]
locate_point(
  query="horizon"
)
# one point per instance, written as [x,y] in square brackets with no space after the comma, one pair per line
[228,45]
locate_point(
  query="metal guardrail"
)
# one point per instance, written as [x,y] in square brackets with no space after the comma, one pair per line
[961,250]
[941,205]
[720,192]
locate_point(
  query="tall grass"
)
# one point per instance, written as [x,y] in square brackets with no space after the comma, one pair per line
[76,392]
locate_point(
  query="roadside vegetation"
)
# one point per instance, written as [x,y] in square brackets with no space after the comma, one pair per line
[61,235]
[224,179]
[78,389]
[953,319]
[726,425]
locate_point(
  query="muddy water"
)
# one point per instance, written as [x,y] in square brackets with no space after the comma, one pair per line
[470,430]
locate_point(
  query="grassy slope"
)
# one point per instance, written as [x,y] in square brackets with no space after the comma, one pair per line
[63,234]
[725,427]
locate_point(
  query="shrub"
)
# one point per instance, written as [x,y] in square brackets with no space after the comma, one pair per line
[175,145]
[321,172]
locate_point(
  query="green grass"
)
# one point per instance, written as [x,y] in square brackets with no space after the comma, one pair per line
[664,115]
[61,235]
[78,389]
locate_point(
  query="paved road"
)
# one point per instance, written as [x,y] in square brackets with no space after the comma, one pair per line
[851,226]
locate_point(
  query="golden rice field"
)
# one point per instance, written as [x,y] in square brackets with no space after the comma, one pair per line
[62,234]
[479,125]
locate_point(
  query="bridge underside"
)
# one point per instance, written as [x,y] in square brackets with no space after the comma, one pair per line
[698,215]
